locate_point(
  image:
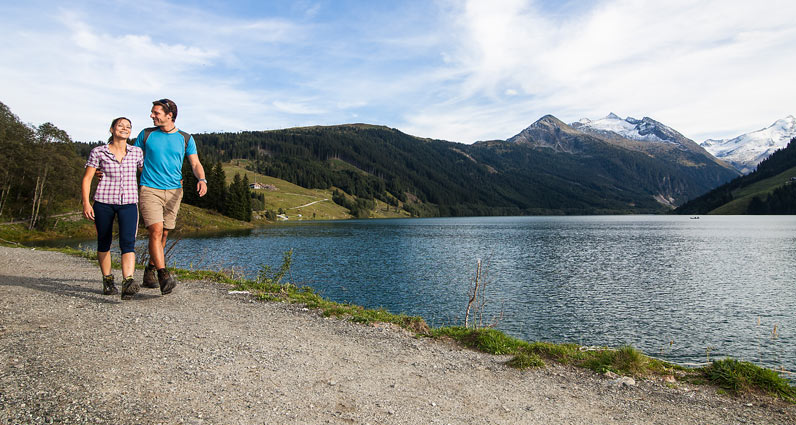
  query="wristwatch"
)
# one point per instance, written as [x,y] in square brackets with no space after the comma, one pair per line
[203,180]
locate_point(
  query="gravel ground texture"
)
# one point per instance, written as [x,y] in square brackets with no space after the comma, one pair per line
[69,354]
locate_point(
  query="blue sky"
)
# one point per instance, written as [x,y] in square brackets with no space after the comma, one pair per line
[456,70]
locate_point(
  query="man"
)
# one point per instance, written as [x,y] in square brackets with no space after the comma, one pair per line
[165,148]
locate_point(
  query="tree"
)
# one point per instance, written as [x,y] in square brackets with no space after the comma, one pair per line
[15,159]
[246,198]
[235,207]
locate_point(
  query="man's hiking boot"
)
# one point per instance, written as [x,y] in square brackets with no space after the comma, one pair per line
[129,288]
[108,287]
[167,281]
[150,278]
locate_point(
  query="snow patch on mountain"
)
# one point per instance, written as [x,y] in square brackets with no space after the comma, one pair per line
[645,130]
[747,150]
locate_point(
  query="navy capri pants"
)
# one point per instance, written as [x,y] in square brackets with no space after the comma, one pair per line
[128,225]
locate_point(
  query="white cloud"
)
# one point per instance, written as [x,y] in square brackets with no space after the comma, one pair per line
[683,63]
[462,71]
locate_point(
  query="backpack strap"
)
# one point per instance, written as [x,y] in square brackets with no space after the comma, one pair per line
[186,136]
[149,130]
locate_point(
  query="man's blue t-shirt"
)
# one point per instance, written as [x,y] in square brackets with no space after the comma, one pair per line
[163,157]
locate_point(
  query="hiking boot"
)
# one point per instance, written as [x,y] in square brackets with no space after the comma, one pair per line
[167,281]
[150,278]
[129,288]
[108,287]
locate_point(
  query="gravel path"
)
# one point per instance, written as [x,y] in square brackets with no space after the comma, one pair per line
[68,354]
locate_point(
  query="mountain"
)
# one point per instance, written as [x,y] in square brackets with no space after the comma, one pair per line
[679,166]
[747,150]
[769,189]
[644,130]
[548,168]
[650,133]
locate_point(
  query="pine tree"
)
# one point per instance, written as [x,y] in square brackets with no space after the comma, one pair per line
[235,204]
[246,199]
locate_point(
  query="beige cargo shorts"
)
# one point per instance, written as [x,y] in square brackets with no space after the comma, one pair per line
[159,205]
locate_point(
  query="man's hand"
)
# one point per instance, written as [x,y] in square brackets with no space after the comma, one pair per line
[201,187]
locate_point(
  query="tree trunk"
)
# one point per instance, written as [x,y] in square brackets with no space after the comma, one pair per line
[37,197]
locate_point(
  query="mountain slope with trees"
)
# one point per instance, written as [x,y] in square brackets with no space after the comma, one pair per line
[770,189]
[549,168]
[434,177]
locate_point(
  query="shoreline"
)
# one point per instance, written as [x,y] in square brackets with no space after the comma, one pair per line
[202,355]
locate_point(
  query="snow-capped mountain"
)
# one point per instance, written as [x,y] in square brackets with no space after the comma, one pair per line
[644,130]
[747,150]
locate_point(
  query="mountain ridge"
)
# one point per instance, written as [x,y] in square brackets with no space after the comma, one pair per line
[746,151]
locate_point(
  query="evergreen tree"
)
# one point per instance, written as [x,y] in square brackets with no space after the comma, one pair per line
[245,193]
[217,188]
[189,182]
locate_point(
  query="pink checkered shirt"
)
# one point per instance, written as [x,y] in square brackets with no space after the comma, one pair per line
[118,185]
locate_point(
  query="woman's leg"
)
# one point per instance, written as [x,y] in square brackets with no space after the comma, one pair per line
[128,227]
[104,260]
[103,221]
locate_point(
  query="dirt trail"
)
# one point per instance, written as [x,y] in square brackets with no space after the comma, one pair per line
[71,355]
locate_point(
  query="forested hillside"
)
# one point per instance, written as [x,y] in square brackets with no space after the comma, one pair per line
[776,193]
[435,177]
[361,164]
[39,171]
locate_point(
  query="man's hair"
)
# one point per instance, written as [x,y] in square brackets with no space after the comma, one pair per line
[168,105]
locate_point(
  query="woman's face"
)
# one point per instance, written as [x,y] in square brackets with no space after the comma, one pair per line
[122,129]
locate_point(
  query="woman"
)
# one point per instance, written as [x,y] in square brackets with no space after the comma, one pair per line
[116,196]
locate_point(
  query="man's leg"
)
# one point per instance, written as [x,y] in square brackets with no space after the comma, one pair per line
[157,243]
[150,206]
[163,244]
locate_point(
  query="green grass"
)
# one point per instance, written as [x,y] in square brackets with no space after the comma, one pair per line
[72,228]
[195,220]
[625,360]
[743,196]
[293,199]
[737,377]
[290,197]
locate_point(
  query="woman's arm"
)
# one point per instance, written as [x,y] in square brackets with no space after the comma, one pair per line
[85,189]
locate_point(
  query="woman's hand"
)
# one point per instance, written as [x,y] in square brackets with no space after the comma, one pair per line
[85,189]
[88,212]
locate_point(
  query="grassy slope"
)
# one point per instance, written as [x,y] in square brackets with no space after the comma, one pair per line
[293,199]
[193,219]
[744,195]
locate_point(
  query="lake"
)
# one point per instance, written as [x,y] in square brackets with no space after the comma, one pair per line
[675,287]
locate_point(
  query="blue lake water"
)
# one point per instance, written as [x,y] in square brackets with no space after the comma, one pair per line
[674,287]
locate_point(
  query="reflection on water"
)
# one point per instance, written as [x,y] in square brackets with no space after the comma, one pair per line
[670,286]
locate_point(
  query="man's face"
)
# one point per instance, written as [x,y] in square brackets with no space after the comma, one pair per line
[159,116]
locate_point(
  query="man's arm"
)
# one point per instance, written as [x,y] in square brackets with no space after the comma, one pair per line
[199,172]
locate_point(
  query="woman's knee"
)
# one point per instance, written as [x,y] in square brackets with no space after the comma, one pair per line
[128,226]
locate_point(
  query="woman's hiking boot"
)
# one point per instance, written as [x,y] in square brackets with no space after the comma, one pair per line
[108,286]
[150,278]
[167,281]
[129,288]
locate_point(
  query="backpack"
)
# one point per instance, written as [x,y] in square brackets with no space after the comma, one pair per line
[149,130]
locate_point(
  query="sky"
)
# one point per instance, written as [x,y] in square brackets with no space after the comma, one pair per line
[461,71]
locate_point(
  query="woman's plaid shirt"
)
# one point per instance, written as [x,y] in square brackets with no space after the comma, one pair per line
[118,185]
